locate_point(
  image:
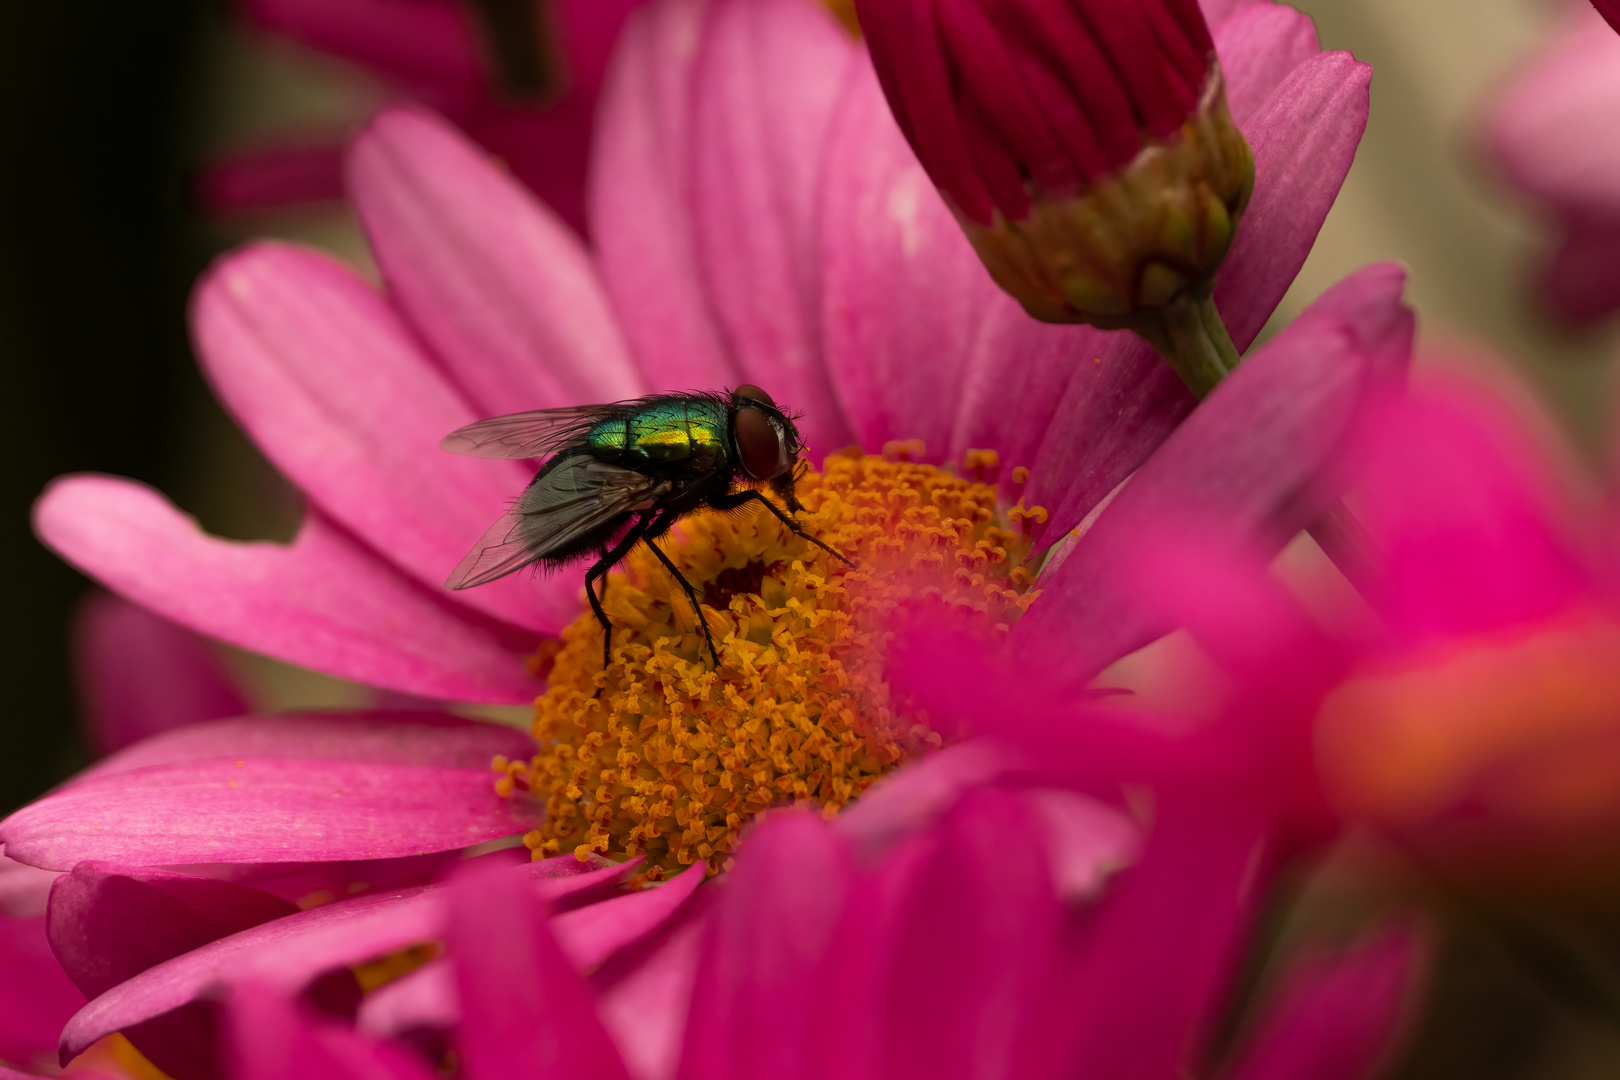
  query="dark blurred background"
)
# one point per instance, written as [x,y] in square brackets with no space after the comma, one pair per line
[98,135]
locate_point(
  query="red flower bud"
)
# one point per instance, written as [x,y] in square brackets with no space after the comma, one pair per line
[1085,145]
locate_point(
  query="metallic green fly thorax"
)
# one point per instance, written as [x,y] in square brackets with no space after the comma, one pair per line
[682,430]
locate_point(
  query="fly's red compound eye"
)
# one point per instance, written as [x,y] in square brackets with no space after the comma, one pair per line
[760,442]
[753,393]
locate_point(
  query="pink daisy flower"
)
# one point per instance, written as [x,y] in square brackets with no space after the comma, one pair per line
[435,52]
[1548,131]
[756,216]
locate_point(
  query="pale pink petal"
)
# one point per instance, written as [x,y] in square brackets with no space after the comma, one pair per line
[589,935]
[291,952]
[765,85]
[503,292]
[317,367]
[326,602]
[911,799]
[425,41]
[522,1000]
[24,889]
[1218,11]
[639,209]
[904,293]
[1259,46]
[1548,128]
[270,1037]
[140,674]
[761,978]
[1336,1016]
[380,738]
[1246,462]
[1086,841]
[425,999]
[36,996]
[1304,137]
[261,810]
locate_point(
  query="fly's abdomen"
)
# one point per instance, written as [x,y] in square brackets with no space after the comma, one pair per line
[665,432]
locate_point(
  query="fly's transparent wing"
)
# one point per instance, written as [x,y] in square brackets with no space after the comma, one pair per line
[526,434]
[575,497]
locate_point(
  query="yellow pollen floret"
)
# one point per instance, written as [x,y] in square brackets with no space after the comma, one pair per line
[662,755]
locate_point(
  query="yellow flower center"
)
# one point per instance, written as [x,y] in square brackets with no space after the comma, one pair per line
[665,756]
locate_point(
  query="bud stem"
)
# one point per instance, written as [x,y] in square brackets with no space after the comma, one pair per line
[1190,334]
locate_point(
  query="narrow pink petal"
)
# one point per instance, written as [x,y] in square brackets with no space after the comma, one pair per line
[1304,137]
[94,907]
[425,999]
[425,41]
[326,602]
[317,367]
[765,85]
[971,957]
[261,810]
[911,799]
[762,974]
[140,674]
[1259,46]
[1467,509]
[645,1009]
[24,889]
[36,996]
[273,176]
[1336,1016]
[641,219]
[271,1037]
[520,996]
[379,738]
[589,935]
[904,293]
[1244,461]
[1155,962]
[291,952]
[504,294]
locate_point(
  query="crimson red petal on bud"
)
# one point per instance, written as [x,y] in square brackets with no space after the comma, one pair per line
[991,92]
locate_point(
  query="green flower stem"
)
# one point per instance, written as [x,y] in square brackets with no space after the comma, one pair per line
[1190,334]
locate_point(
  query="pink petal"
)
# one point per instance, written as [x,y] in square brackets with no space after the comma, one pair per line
[1259,46]
[270,1037]
[24,889]
[761,977]
[904,294]
[425,41]
[425,999]
[261,810]
[1304,137]
[290,952]
[1336,1016]
[969,962]
[1150,978]
[1578,281]
[379,738]
[639,211]
[645,1008]
[521,998]
[765,85]
[36,996]
[140,674]
[1468,511]
[502,291]
[325,602]
[316,366]
[911,799]
[1218,11]
[94,907]
[1244,460]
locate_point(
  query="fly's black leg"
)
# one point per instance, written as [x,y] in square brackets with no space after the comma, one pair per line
[742,498]
[599,571]
[659,528]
